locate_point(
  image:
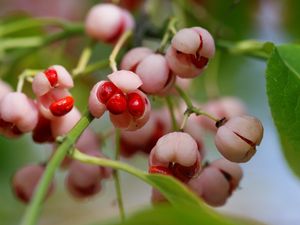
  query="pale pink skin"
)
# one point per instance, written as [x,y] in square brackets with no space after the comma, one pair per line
[154,73]
[46,100]
[105,21]
[176,147]
[128,122]
[211,186]
[96,108]
[140,136]
[233,169]
[125,80]
[62,125]
[133,57]
[189,41]
[237,139]
[4,89]
[42,86]
[26,180]
[180,65]
[16,108]
[227,107]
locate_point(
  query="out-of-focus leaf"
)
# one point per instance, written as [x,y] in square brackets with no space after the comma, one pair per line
[283,89]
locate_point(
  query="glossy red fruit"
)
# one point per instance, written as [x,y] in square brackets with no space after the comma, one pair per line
[42,132]
[160,170]
[62,106]
[106,91]
[136,106]
[51,75]
[117,104]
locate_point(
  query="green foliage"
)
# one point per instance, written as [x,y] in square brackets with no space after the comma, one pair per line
[283,89]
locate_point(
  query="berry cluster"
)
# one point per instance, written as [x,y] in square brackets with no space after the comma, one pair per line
[179,153]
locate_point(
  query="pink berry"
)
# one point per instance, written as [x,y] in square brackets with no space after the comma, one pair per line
[107,22]
[26,180]
[237,139]
[179,152]
[55,76]
[190,51]
[227,107]
[211,186]
[83,180]
[133,57]
[57,102]
[232,172]
[18,114]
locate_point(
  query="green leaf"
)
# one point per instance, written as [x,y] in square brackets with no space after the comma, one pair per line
[189,215]
[283,89]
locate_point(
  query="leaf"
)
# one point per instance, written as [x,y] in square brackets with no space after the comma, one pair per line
[177,193]
[283,89]
[168,215]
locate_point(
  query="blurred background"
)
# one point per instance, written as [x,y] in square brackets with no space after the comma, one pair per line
[269,191]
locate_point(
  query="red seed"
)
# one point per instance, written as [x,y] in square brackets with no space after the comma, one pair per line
[51,75]
[106,91]
[117,104]
[160,170]
[136,105]
[62,106]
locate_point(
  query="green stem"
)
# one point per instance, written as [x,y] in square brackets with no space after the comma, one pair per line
[33,210]
[92,68]
[171,30]
[21,42]
[172,114]
[252,48]
[115,51]
[23,76]
[9,28]
[84,58]
[116,176]
[191,108]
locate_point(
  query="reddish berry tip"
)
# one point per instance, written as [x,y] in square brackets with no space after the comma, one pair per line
[51,75]
[62,106]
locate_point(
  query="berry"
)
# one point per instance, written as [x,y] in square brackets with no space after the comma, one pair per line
[42,132]
[136,106]
[62,106]
[18,114]
[133,57]
[4,89]
[117,104]
[237,139]
[107,22]
[106,91]
[190,51]
[26,180]
[54,77]
[51,75]
[211,186]
[179,152]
